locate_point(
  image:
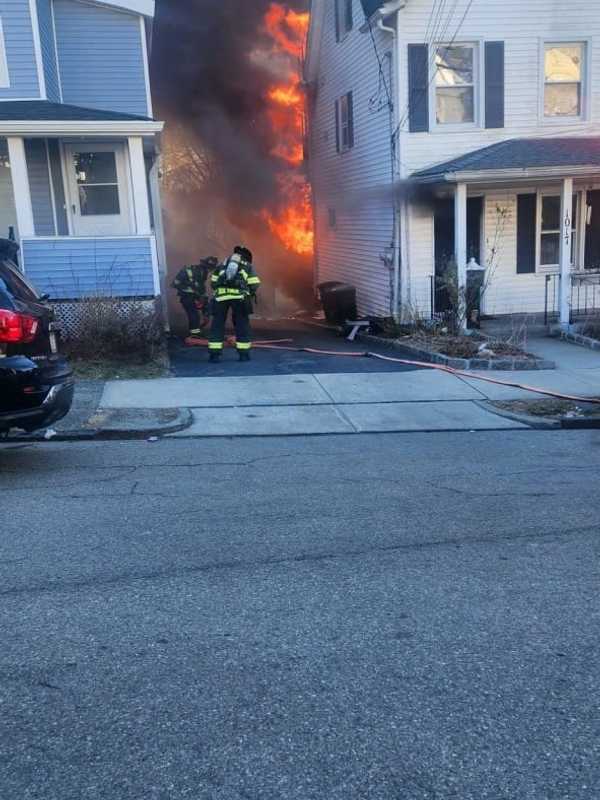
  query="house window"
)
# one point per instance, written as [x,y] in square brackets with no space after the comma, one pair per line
[4,76]
[455,71]
[550,230]
[332,218]
[344,114]
[343,18]
[564,73]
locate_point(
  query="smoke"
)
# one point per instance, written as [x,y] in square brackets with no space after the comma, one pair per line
[212,66]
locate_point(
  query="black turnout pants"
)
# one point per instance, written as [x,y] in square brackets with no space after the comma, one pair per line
[241,322]
[193,314]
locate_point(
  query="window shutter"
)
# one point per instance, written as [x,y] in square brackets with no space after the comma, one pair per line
[418,88]
[336,14]
[526,233]
[337,125]
[350,120]
[349,18]
[494,84]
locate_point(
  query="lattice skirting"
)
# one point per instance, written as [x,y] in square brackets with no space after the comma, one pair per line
[72,313]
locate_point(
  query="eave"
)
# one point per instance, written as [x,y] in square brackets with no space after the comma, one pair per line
[74,128]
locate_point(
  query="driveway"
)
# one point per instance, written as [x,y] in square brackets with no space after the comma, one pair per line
[192,362]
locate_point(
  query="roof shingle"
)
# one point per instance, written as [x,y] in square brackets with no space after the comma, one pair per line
[45,111]
[522,154]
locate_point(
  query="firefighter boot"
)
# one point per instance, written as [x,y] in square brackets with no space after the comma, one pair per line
[215,357]
[244,355]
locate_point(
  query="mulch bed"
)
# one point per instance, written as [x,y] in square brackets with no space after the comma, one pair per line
[465,346]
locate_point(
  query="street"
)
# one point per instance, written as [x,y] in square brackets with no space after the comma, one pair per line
[367,617]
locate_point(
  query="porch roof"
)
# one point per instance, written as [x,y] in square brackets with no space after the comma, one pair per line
[519,159]
[41,117]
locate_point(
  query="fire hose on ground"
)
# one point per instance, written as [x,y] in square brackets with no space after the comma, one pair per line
[286,345]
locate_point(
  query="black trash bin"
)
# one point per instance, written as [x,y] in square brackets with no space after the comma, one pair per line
[338,301]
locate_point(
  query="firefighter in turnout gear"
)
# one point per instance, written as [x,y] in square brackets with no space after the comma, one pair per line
[234,287]
[190,284]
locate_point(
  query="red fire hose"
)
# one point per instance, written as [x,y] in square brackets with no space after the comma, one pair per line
[280,344]
[440,367]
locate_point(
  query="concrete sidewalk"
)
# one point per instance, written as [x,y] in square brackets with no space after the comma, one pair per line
[426,400]
[303,404]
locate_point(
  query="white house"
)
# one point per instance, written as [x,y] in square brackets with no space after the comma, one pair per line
[78,147]
[465,130]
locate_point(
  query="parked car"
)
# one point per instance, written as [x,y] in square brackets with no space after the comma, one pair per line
[36,382]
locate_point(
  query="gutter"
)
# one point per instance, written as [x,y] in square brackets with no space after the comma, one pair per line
[85,128]
[507,175]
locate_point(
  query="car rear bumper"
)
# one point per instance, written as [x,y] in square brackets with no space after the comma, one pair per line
[49,398]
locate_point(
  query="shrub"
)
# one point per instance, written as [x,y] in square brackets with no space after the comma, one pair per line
[116,329]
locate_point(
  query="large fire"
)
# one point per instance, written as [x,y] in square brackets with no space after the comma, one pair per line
[286,111]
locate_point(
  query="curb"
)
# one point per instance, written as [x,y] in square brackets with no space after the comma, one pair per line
[537,423]
[184,420]
[580,339]
[473,364]
[542,423]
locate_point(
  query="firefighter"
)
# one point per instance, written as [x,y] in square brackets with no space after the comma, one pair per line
[190,284]
[234,287]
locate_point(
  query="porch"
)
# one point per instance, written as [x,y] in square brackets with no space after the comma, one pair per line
[79,192]
[528,213]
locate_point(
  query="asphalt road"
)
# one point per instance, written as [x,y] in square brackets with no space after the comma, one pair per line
[409,617]
[192,362]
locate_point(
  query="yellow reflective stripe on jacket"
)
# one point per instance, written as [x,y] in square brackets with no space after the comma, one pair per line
[253,280]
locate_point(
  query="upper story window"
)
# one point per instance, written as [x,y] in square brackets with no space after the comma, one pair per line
[343,18]
[344,120]
[564,78]
[4,76]
[455,84]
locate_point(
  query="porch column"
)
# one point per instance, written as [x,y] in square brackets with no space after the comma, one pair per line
[20,182]
[460,248]
[140,185]
[566,210]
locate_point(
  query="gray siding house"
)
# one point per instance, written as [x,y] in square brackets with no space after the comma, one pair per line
[78,147]
[446,132]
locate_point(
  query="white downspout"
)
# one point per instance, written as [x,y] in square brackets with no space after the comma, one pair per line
[394,32]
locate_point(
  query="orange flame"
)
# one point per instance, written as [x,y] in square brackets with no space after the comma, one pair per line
[287,28]
[294,225]
[286,112]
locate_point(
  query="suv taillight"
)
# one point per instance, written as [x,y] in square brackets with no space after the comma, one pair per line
[17,328]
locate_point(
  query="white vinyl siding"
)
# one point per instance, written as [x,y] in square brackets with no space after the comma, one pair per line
[357,185]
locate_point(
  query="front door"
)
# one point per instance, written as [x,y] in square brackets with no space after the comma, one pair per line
[98,189]
[444,243]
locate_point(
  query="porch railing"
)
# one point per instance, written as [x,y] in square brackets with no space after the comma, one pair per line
[585,295]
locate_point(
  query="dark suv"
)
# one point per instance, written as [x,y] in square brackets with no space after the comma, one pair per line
[36,383]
